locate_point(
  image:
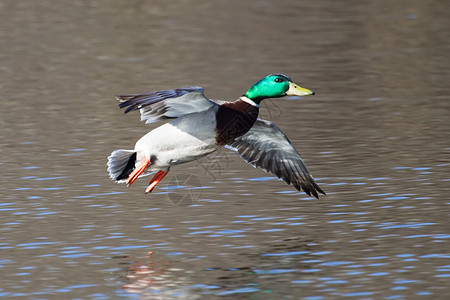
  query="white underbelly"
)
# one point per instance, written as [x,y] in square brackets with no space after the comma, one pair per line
[182,140]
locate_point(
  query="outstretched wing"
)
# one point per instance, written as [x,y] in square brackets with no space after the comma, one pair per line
[265,146]
[167,104]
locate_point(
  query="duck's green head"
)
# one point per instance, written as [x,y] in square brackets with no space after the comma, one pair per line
[275,86]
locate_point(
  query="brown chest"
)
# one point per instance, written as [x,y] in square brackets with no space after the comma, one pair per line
[233,120]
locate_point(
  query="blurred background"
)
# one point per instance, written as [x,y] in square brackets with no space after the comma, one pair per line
[375,136]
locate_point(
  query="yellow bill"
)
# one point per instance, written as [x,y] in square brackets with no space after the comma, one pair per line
[296,90]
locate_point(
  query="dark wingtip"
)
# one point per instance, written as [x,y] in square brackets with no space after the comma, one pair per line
[130,108]
[320,190]
[313,190]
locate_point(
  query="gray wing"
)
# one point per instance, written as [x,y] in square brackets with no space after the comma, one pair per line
[265,146]
[167,104]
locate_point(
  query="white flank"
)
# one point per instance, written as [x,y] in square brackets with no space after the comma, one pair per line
[184,139]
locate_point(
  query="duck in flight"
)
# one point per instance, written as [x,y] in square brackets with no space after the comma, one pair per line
[198,126]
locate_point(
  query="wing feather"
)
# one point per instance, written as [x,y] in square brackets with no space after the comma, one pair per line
[266,147]
[166,104]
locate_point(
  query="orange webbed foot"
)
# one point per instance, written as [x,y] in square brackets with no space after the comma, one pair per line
[155,180]
[138,170]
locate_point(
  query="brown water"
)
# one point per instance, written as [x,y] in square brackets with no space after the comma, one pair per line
[376,137]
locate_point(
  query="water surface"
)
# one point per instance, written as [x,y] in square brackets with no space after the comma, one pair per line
[375,136]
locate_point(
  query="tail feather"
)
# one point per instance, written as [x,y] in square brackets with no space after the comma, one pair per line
[120,164]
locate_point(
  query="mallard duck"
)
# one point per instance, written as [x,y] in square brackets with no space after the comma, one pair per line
[198,126]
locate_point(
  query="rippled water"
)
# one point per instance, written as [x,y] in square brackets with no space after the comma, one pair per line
[375,136]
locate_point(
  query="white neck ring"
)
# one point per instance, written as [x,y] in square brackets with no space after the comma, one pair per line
[251,102]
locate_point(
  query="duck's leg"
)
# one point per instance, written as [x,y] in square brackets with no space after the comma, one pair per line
[138,170]
[155,180]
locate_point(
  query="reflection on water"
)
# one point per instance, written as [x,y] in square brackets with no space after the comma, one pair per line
[375,136]
[318,248]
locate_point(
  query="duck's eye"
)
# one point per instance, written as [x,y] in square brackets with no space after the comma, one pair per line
[278,80]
